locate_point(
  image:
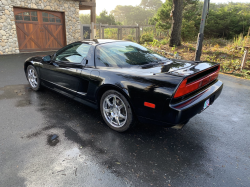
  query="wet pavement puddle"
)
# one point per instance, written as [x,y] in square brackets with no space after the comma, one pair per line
[21,92]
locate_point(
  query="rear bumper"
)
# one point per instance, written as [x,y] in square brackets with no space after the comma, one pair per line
[181,112]
[184,111]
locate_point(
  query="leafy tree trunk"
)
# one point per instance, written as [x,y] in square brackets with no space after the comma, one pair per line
[175,38]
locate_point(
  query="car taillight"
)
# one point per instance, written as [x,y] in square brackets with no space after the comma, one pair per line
[185,88]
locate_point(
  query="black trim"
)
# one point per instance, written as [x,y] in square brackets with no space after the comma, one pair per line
[202,74]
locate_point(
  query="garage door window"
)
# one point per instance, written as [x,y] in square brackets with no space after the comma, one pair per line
[50,18]
[27,16]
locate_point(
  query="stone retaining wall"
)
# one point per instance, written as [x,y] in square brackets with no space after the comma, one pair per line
[8,35]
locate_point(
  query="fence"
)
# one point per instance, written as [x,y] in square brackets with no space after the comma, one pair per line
[120,32]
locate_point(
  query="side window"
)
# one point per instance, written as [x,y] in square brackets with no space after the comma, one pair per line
[98,58]
[74,53]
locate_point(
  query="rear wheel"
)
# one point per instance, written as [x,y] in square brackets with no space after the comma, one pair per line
[116,111]
[33,78]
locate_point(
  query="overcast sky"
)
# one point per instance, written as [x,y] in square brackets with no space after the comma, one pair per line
[111,4]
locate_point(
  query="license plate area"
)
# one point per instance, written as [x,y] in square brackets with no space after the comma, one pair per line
[206,104]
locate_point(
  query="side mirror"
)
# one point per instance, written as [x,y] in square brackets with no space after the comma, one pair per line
[46,58]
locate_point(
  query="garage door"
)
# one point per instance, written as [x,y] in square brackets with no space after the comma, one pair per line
[39,30]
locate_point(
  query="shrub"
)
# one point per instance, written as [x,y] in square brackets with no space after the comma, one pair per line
[129,38]
[156,43]
[233,65]
[147,37]
[241,41]
[215,41]
[110,33]
[164,41]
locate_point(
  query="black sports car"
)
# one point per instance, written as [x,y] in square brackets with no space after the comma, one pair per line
[128,82]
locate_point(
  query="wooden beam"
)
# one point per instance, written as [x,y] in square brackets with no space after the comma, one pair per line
[93,14]
[121,33]
[85,7]
[100,31]
[90,4]
[244,60]
[139,34]
[118,31]
[117,26]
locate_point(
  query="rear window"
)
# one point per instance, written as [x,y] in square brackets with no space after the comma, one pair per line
[125,54]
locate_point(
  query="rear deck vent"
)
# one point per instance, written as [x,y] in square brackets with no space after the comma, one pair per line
[202,74]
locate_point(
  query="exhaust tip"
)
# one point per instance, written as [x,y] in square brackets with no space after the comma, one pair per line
[180,126]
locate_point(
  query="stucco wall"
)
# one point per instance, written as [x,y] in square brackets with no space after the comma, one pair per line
[8,36]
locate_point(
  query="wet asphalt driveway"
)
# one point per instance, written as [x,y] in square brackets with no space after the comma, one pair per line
[212,150]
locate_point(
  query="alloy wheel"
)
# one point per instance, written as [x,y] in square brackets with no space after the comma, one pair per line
[115,111]
[32,76]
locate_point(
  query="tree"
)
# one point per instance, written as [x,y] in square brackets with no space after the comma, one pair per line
[153,5]
[85,18]
[106,18]
[227,21]
[121,13]
[188,11]
[175,37]
[130,15]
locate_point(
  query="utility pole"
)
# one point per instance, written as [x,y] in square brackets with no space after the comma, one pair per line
[201,34]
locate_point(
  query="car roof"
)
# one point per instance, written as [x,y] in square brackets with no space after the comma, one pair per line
[101,41]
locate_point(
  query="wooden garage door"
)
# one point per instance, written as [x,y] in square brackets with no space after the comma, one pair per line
[39,30]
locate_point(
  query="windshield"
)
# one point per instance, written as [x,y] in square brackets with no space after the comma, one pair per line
[125,54]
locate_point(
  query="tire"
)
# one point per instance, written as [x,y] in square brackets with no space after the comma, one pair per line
[33,78]
[119,118]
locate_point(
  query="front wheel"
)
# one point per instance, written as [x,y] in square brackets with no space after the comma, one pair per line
[33,78]
[116,111]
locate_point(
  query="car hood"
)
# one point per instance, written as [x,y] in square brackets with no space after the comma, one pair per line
[175,67]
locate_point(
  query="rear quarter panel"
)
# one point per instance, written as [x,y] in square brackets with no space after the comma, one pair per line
[156,89]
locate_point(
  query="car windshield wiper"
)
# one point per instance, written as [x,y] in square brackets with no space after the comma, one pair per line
[151,64]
